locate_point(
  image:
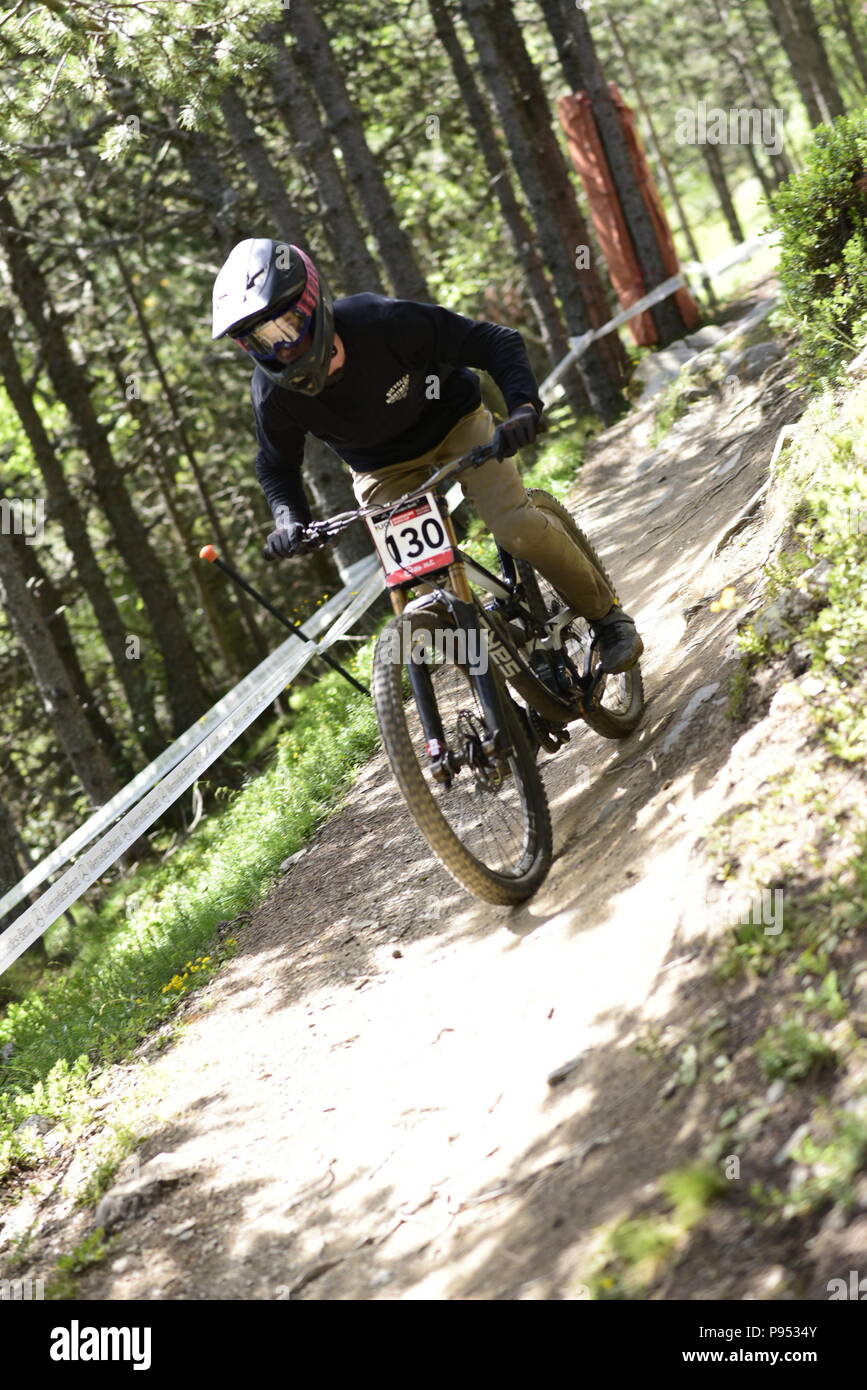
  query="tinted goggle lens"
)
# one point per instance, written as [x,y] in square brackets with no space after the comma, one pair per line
[284,331]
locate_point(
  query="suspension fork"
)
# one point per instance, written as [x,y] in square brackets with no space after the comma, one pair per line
[463,609]
[481,671]
[460,604]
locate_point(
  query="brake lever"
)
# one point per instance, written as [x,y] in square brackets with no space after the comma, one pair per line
[312,542]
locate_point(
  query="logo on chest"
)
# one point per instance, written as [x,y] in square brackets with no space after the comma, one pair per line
[398,391]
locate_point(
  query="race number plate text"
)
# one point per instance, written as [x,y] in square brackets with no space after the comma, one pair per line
[411,543]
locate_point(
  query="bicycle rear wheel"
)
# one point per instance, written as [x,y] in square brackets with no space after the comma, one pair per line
[491,827]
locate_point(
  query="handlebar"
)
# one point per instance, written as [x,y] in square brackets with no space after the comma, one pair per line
[319,533]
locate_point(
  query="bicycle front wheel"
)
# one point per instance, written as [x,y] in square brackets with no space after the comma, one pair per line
[489,825]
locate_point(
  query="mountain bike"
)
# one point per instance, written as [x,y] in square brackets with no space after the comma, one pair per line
[472,677]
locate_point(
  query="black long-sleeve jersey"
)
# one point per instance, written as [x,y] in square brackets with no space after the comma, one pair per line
[405,384]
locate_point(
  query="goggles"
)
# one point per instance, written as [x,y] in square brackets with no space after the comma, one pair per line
[287,330]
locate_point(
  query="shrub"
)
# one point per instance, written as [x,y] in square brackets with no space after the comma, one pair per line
[822,218]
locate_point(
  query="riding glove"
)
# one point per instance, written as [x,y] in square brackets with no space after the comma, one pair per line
[516,432]
[285,541]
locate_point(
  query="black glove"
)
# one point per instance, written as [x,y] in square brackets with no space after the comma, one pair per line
[285,541]
[516,432]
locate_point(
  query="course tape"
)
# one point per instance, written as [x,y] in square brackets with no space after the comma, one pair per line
[578,346]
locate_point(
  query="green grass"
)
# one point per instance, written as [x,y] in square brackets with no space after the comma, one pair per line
[790,1051]
[834,1153]
[638,1249]
[120,1142]
[62,1285]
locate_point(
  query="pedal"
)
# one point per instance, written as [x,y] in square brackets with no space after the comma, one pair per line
[548,736]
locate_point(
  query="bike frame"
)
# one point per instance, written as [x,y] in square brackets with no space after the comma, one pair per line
[470,616]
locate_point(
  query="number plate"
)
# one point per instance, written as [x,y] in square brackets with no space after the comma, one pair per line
[411,543]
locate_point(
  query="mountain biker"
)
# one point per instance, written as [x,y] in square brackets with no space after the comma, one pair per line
[386,384]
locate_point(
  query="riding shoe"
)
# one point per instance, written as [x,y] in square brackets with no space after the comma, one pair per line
[617,641]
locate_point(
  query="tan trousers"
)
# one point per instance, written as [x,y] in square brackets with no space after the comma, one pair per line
[527,530]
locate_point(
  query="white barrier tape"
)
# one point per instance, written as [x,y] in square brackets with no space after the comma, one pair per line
[171,756]
[368,591]
[733,256]
[578,346]
[696,269]
[655,296]
[752,320]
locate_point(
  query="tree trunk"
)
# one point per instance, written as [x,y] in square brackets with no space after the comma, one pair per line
[799,34]
[544,305]
[185,692]
[287,221]
[583,72]
[223,622]
[662,162]
[824,81]
[715,167]
[534,117]
[843,15]
[755,37]
[180,433]
[208,183]
[344,123]
[10,863]
[51,608]
[71,729]
[336,214]
[760,100]
[759,170]
[66,510]
[331,490]
[560,227]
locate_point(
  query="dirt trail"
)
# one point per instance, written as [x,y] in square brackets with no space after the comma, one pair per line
[360,1105]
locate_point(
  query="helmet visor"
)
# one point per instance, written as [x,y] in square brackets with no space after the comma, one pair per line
[277,337]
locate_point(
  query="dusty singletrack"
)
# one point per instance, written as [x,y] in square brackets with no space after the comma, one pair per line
[396,1092]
